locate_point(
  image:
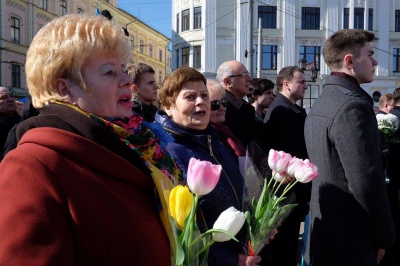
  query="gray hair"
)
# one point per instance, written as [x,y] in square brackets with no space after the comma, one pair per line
[224,70]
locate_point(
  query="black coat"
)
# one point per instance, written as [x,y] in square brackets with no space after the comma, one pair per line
[284,131]
[239,118]
[350,214]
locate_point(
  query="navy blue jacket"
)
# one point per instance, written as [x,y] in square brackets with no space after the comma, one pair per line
[204,145]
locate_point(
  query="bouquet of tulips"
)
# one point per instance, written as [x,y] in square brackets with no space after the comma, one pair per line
[267,202]
[189,245]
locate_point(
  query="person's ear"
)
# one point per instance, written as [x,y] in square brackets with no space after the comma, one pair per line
[63,87]
[226,81]
[348,61]
[134,88]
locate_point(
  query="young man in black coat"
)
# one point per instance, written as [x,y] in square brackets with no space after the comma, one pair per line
[350,219]
[284,130]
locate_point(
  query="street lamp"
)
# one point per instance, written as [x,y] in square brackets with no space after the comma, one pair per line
[314,69]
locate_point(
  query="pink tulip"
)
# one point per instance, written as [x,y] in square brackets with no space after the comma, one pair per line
[280,177]
[291,167]
[202,176]
[278,161]
[305,171]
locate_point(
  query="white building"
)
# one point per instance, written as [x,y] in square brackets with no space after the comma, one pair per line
[209,32]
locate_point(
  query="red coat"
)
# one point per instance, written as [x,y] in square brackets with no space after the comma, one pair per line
[65,200]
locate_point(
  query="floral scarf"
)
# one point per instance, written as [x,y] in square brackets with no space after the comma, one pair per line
[148,140]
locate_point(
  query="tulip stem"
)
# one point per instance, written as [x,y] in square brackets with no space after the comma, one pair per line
[288,187]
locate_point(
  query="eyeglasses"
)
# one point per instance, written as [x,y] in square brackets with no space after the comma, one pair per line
[215,105]
[243,75]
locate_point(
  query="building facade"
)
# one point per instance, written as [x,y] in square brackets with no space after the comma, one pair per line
[21,19]
[209,32]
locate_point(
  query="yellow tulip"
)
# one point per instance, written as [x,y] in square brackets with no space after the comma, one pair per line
[180,204]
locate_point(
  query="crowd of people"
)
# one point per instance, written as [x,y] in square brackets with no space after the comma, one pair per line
[77,181]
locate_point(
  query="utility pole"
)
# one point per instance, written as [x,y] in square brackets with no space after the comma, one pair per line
[259,48]
[250,51]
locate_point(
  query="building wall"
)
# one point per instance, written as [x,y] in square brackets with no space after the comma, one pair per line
[33,15]
[225,35]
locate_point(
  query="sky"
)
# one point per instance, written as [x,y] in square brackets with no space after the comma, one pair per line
[155,13]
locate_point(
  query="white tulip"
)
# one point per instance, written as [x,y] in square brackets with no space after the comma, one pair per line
[230,220]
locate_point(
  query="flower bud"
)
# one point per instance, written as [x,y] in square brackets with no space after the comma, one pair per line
[305,171]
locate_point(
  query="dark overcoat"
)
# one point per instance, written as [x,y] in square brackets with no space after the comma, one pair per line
[350,214]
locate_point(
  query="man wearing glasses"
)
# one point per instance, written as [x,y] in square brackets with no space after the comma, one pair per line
[239,117]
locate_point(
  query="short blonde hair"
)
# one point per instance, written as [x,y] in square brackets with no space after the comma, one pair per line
[384,99]
[215,88]
[60,49]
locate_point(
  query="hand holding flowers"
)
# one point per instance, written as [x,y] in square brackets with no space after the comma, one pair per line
[265,213]
[190,247]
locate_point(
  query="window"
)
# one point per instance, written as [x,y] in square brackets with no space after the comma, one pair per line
[63,7]
[141,46]
[159,77]
[268,16]
[346,18]
[15,30]
[310,18]
[269,57]
[150,50]
[15,76]
[133,42]
[177,58]
[197,17]
[80,10]
[397,21]
[370,19]
[310,96]
[177,23]
[197,56]
[358,18]
[43,4]
[185,56]
[312,54]
[185,20]
[160,56]
[396,60]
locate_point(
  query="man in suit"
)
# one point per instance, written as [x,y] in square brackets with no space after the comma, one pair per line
[350,219]
[239,116]
[284,130]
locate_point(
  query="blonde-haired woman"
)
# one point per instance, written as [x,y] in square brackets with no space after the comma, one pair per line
[78,189]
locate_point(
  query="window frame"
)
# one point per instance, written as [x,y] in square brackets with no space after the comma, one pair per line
[314,55]
[396,58]
[269,54]
[150,50]
[185,20]
[141,46]
[15,30]
[185,56]
[397,20]
[268,15]
[44,4]
[197,56]
[15,76]
[310,18]
[160,55]
[197,17]
[63,7]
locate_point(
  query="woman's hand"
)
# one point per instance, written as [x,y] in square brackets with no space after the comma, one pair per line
[248,260]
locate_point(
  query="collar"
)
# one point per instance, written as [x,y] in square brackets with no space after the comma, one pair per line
[282,98]
[346,76]
[233,100]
